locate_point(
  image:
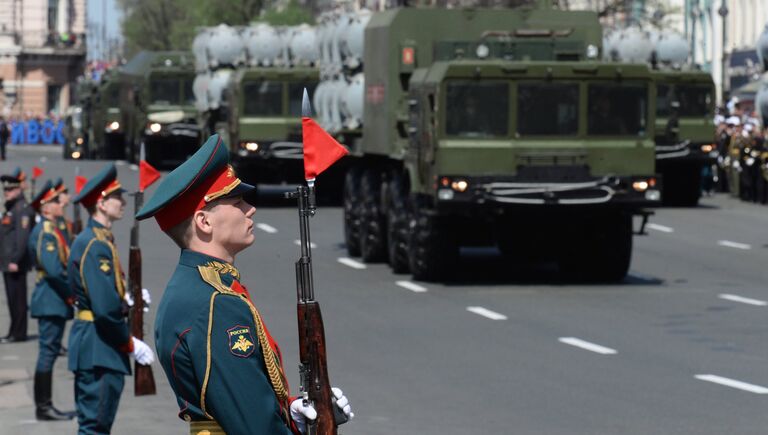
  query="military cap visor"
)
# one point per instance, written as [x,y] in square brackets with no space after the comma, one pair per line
[47,194]
[100,186]
[9,181]
[205,177]
[60,186]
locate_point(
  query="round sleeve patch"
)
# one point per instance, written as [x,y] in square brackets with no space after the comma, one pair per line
[240,341]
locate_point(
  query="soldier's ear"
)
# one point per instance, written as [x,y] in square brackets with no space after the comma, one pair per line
[201,223]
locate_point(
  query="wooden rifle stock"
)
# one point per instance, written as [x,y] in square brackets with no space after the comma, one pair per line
[144,380]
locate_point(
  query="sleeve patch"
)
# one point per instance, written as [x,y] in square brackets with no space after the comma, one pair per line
[240,341]
[105,265]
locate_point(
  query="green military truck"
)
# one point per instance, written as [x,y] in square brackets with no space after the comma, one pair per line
[684,133]
[106,136]
[498,127]
[158,107]
[263,126]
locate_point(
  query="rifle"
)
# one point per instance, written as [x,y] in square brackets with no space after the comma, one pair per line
[144,380]
[77,223]
[313,364]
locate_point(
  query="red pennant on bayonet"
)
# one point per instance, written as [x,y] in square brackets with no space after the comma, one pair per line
[320,149]
[80,182]
[147,175]
[36,172]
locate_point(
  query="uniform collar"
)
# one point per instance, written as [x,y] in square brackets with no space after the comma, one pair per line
[193,259]
[93,223]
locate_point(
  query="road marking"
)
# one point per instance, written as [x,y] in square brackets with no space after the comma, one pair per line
[592,347]
[487,313]
[733,383]
[737,298]
[661,228]
[411,286]
[351,263]
[736,245]
[267,228]
[10,358]
[134,167]
[311,244]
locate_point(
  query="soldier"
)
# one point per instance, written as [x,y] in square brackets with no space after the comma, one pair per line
[220,360]
[52,299]
[15,226]
[100,341]
[62,223]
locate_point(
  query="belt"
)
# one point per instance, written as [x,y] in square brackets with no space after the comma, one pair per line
[85,315]
[205,427]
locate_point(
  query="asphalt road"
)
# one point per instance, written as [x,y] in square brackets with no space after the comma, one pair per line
[680,347]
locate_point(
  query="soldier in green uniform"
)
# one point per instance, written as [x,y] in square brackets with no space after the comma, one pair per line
[100,341]
[62,223]
[218,355]
[52,299]
[15,225]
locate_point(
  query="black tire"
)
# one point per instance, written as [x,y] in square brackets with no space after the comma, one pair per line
[398,225]
[373,227]
[352,212]
[433,253]
[682,187]
[602,252]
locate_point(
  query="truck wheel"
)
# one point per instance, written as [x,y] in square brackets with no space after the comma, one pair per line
[397,225]
[352,212]
[432,250]
[602,253]
[373,236]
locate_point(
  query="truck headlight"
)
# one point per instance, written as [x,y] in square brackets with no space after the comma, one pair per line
[592,51]
[76,155]
[460,185]
[445,194]
[112,126]
[155,127]
[707,148]
[79,141]
[250,146]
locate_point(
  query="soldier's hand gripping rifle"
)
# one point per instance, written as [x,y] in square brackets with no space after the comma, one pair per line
[77,222]
[313,364]
[144,380]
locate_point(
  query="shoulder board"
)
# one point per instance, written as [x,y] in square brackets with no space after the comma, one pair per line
[210,275]
[101,234]
[48,226]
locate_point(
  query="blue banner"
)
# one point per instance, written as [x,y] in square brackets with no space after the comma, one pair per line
[37,132]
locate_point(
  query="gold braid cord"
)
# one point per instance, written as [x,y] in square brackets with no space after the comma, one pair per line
[276,375]
[106,236]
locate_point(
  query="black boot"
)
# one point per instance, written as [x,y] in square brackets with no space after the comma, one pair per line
[44,407]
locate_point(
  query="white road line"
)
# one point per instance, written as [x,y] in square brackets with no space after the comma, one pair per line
[733,383]
[351,263]
[487,313]
[592,347]
[311,244]
[411,286]
[10,358]
[661,228]
[743,300]
[266,228]
[736,245]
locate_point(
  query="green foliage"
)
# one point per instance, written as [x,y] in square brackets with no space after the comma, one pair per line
[292,15]
[171,24]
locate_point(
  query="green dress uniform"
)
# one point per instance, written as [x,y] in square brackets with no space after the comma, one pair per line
[100,341]
[222,364]
[51,303]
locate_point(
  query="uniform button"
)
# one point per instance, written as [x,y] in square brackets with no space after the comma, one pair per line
[187,418]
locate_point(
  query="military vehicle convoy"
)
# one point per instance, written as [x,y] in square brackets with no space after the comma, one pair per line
[248,86]
[107,136]
[492,127]
[685,106]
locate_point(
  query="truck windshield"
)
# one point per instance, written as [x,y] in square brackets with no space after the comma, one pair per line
[164,91]
[295,93]
[477,109]
[189,95]
[263,98]
[548,109]
[617,109]
[694,100]
[112,96]
[664,98]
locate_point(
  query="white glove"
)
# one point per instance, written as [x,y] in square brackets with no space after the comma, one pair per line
[142,353]
[145,296]
[343,403]
[300,413]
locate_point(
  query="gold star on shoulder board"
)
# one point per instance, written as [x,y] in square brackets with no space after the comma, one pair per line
[50,247]
[105,266]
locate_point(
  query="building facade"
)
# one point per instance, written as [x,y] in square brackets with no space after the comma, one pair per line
[42,52]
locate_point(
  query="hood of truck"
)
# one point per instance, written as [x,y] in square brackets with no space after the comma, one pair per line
[488,157]
[268,128]
[169,114]
[696,130]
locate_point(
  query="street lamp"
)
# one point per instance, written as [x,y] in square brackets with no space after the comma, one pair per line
[723,12]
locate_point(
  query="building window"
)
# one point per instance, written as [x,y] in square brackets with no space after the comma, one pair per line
[54,100]
[53,12]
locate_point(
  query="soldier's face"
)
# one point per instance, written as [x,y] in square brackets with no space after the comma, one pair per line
[114,206]
[12,193]
[54,208]
[64,199]
[232,224]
